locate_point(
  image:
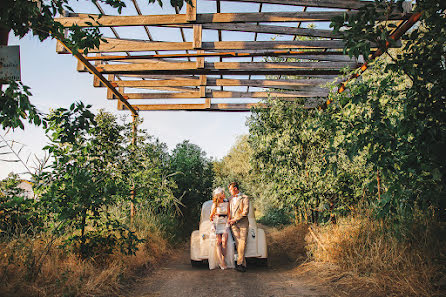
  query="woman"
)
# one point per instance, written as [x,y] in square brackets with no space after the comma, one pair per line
[221,251]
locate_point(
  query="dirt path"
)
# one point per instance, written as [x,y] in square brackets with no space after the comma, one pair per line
[178,278]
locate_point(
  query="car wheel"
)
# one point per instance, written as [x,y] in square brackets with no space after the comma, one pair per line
[196,263]
[262,262]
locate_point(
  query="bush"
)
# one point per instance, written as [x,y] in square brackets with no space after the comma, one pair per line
[276,217]
[17,213]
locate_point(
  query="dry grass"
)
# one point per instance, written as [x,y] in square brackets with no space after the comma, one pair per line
[358,257]
[59,273]
[287,245]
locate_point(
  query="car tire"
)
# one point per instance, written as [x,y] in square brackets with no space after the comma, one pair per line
[196,263]
[262,262]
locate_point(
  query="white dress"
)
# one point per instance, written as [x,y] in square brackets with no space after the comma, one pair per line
[221,217]
[220,223]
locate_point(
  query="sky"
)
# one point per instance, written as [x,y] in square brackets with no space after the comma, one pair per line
[55,83]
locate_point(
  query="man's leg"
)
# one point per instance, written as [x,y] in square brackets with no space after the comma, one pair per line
[241,246]
[236,234]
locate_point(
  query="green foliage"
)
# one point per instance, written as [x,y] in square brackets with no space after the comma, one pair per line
[192,172]
[380,145]
[289,160]
[38,18]
[16,107]
[18,215]
[275,217]
[84,180]
[404,111]
[235,166]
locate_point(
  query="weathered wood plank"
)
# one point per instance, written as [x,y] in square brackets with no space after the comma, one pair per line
[191,11]
[231,107]
[212,82]
[226,94]
[269,29]
[347,4]
[155,65]
[303,55]
[92,20]
[158,83]
[123,45]
[198,31]
[298,72]
[126,45]
[257,66]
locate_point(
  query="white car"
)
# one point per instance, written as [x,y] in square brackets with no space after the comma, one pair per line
[199,240]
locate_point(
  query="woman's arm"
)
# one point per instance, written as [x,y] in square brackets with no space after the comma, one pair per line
[213,210]
[229,211]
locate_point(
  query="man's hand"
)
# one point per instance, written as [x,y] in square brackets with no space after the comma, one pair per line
[231,221]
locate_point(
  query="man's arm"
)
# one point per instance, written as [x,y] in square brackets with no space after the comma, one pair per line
[244,210]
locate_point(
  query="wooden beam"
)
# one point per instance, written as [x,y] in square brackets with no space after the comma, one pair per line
[200,61]
[122,45]
[347,4]
[225,94]
[197,42]
[155,65]
[212,82]
[125,45]
[299,72]
[94,20]
[243,107]
[95,72]
[191,11]
[303,55]
[216,67]
[267,29]
[306,54]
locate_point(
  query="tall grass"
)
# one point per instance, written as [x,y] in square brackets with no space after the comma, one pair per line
[37,266]
[367,256]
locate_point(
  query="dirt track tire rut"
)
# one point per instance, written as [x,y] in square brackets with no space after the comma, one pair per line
[177,278]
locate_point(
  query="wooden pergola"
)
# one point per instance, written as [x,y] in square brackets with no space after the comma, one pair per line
[203,74]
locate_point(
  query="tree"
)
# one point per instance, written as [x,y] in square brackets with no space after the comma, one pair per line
[408,129]
[192,172]
[18,215]
[84,180]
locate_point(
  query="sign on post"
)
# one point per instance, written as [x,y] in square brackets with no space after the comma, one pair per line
[10,63]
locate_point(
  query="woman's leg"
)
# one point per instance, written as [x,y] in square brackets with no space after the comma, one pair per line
[220,251]
[224,242]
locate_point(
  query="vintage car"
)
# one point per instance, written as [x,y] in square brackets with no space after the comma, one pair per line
[199,241]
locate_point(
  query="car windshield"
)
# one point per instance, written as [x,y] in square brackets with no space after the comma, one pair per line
[206,211]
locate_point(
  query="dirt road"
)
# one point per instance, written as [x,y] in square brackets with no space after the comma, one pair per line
[178,278]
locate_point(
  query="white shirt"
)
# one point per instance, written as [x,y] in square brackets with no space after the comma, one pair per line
[234,201]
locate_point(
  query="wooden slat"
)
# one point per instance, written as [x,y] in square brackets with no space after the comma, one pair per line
[226,94]
[347,4]
[121,45]
[258,66]
[191,11]
[231,107]
[92,20]
[281,30]
[298,72]
[157,65]
[95,72]
[158,83]
[304,54]
[198,31]
[209,81]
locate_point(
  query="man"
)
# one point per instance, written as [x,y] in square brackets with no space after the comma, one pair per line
[239,223]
